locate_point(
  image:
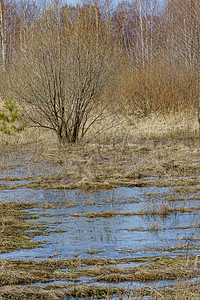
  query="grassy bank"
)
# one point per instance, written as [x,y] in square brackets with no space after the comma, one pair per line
[100,165]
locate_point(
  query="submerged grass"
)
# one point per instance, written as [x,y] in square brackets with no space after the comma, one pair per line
[14,228]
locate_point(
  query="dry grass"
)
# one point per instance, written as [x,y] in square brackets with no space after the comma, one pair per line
[160,150]
[175,126]
[90,167]
[14,273]
[53,292]
[48,270]
[162,209]
[128,128]
[108,214]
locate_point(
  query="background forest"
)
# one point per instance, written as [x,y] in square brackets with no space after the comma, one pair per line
[66,68]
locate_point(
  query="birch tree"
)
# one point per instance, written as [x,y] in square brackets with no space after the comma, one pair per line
[3,35]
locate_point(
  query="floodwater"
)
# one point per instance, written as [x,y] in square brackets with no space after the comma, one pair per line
[135,227]
[70,232]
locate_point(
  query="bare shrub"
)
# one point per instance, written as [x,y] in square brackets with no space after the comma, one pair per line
[63,70]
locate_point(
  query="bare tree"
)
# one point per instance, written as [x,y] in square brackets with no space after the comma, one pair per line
[64,69]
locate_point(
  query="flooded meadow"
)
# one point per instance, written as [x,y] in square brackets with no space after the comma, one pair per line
[99,225]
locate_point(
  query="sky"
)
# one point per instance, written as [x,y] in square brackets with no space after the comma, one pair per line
[74,2]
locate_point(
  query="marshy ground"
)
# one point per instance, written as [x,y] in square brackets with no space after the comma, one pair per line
[100,220]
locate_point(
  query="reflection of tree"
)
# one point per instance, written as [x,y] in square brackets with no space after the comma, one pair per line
[96,231]
[105,234]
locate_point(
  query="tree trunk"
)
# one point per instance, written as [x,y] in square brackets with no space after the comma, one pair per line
[2,34]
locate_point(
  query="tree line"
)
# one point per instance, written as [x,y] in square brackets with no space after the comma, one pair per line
[70,66]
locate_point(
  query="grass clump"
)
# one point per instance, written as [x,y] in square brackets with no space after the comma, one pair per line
[108,214]
[94,251]
[53,292]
